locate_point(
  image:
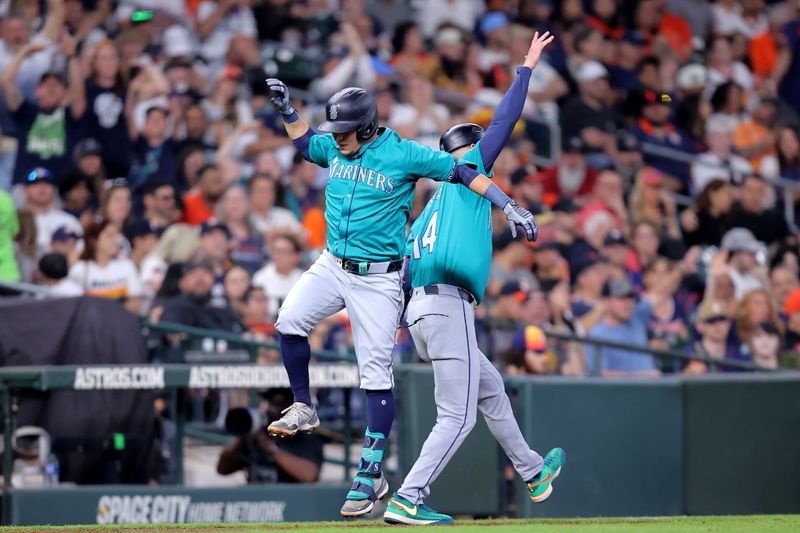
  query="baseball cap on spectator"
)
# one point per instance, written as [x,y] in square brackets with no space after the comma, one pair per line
[692,77]
[189,266]
[143,109]
[54,266]
[63,233]
[627,142]
[86,147]
[448,35]
[52,74]
[565,205]
[740,240]
[574,145]
[214,225]
[177,42]
[634,37]
[548,245]
[590,71]
[615,238]
[792,303]
[39,174]
[712,310]
[513,289]
[138,228]
[524,173]
[535,339]
[618,288]
[582,264]
[493,21]
[655,98]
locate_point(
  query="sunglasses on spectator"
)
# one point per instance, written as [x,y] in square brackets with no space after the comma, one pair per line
[716,319]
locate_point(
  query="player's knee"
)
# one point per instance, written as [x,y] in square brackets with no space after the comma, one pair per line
[290,323]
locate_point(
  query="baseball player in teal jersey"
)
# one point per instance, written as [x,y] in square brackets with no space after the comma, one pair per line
[450,246]
[371,182]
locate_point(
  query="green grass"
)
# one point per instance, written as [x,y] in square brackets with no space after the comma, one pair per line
[698,524]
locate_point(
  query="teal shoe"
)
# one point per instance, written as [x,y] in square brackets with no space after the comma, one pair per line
[402,511]
[540,487]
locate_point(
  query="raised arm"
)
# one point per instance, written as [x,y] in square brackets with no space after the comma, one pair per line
[11,92]
[510,107]
[56,12]
[77,84]
[298,129]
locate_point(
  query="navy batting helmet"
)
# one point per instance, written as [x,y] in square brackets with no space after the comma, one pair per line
[351,109]
[460,135]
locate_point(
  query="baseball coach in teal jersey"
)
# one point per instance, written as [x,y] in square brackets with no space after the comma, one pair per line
[450,249]
[372,174]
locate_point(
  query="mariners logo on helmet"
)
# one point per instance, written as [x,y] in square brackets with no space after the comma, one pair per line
[334,112]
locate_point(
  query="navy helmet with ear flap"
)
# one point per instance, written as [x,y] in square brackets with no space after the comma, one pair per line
[460,135]
[351,109]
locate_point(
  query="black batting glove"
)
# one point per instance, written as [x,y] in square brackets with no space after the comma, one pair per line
[279,96]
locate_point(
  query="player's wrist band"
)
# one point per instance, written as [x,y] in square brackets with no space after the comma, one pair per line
[495,195]
[291,118]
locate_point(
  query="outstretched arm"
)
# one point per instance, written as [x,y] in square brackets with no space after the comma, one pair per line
[510,107]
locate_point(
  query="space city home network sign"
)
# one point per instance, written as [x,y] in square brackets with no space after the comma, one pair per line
[208,376]
[180,509]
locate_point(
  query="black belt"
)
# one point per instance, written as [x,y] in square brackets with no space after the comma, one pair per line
[363,268]
[464,294]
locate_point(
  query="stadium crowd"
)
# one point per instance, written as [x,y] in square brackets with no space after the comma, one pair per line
[140,160]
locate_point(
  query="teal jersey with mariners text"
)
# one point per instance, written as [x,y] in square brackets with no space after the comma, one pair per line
[451,241]
[368,195]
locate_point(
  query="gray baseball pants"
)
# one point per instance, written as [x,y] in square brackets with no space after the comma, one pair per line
[443,328]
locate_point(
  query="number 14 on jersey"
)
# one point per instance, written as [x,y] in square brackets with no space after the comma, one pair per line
[428,237]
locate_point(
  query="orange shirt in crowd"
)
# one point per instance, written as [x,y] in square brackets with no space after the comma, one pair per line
[195,209]
[748,134]
[314,224]
[763,53]
[678,34]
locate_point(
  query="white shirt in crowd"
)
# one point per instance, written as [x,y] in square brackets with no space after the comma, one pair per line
[744,283]
[708,167]
[238,21]
[278,217]
[276,285]
[428,131]
[33,66]
[118,279]
[48,223]
[66,288]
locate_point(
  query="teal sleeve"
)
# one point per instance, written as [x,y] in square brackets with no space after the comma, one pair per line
[319,147]
[427,163]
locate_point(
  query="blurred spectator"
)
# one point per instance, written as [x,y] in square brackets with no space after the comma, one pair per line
[504,315]
[9,227]
[654,128]
[667,328]
[422,118]
[588,277]
[511,263]
[550,268]
[615,253]
[153,150]
[792,311]
[783,282]
[282,272]
[788,148]
[40,199]
[192,307]
[648,201]
[256,310]
[77,195]
[755,308]
[665,33]
[267,459]
[409,56]
[247,244]
[348,64]
[754,138]
[214,248]
[751,212]
[160,209]
[719,162]
[787,65]
[707,220]
[588,116]
[235,283]
[266,216]
[65,242]
[48,129]
[100,272]
[571,176]
[26,244]
[199,201]
[115,202]
[530,354]
[765,345]
[740,247]
[221,26]
[53,272]
[624,321]
[723,68]
[142,239]
[713,324]
[607,198]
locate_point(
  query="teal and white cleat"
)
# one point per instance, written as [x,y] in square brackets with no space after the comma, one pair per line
[364,493]
[541,486]
[402,511]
